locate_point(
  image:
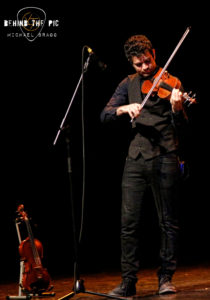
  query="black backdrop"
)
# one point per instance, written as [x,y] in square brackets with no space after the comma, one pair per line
[38,81]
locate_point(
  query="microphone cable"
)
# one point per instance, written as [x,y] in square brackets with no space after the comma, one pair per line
[76,264]
[83,147]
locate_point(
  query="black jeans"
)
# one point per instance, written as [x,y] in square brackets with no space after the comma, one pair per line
[162,175]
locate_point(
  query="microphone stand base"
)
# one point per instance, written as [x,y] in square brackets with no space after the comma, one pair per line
[80,288]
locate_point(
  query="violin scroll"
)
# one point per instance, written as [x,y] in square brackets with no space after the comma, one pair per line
[189,99]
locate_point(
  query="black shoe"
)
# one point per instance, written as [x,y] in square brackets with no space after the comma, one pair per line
[165,285]
[126,288]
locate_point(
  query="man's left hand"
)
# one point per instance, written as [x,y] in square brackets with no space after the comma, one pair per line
[176,100]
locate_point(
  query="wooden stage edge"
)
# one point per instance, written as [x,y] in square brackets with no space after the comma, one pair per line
[192,282]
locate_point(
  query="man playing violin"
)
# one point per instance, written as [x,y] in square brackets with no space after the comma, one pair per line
[152,160]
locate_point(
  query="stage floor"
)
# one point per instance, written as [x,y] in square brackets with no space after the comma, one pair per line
[192,282]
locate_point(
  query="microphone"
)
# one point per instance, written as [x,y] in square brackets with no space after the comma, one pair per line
[100,63]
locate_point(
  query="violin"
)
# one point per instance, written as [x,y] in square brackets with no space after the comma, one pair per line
[163,83]
[35,278]
[164,86]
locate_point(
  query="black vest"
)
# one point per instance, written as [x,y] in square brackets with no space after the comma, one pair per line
[153,131]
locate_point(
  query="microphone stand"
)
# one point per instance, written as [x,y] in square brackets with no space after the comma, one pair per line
[78,286]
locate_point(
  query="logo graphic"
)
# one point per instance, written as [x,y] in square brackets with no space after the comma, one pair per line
[31,21]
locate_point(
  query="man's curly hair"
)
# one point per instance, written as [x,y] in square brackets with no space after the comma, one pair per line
[136,45]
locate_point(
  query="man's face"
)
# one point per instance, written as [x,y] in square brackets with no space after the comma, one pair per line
[144,64]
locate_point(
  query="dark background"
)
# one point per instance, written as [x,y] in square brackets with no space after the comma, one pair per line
[38,81]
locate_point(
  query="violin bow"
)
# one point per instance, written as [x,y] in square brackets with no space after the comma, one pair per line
[165,67]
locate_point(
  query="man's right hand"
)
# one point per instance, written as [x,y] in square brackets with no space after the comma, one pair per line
[133,110]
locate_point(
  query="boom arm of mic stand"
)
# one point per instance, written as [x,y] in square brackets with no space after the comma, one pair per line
[72,99]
